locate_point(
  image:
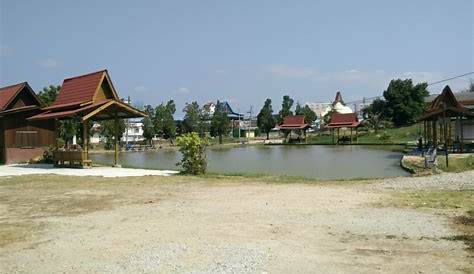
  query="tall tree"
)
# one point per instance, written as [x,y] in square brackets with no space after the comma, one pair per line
[405,102]
[148,129]
[48,94]
[220,123]
[107,130]
[191,117]
[265,120]
[164,122]
[169,126]
[285,108]
[309,115]
[375,114]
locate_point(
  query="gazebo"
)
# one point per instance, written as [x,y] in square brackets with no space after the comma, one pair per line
[85,98]
[295,123]
[343,120]
[437,120]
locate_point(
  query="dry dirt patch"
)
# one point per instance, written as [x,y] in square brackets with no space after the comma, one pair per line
[225,225]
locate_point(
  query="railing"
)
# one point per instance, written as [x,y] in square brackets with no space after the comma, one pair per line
[71,158]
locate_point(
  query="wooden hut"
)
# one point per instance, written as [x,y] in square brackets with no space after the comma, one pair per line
[295,124]
[86,98]
[22,140]
[343,120]
[438,120]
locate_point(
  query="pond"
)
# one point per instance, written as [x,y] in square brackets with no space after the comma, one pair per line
[324,162]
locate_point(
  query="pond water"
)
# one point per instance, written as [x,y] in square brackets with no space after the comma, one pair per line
[324,162]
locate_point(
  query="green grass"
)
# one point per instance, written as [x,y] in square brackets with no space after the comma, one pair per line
[399,135]
[455,163]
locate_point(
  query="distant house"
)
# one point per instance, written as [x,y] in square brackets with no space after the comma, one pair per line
[210,108]
[22,140]
[133,132]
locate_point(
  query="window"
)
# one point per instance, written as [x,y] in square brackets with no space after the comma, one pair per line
[26,138]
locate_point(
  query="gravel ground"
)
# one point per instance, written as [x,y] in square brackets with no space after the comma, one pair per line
[447,181]
[17,170]
[193,225]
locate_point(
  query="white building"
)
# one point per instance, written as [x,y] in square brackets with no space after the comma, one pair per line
[133,131]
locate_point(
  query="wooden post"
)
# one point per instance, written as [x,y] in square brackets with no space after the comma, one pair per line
[357,136]
[56,134]
[332,133]
[85,142]
[462,134]
[445,134]
[425,136]
[435,134]
[116,128]
[351,136]
[338,135]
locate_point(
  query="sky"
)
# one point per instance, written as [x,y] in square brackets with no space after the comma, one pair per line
[240,51]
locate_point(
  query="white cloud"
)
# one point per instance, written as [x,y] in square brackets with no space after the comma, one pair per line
[290,72]
[140,89]
[49,63]
[183,90]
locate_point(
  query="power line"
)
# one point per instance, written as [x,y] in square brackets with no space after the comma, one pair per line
[452,78]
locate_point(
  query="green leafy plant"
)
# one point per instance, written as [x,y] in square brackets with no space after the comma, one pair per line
[193,150]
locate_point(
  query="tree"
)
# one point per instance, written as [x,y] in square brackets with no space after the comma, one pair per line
[191,117]
[148,129]
[169,126]
[470,88]
[220,123]
[265,121]
[193,149]
[309,115]
[285,108]
[164,122]
[375,114]
[48,94]
[107,129]
[204,123]
[404,101]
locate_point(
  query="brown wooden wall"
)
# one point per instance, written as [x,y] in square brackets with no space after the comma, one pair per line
[39,133]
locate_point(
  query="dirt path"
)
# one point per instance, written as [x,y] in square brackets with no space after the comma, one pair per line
[186,225]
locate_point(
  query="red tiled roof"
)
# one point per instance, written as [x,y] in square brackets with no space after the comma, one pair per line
[79,89]
[294,122]
[8,93]
[343,120]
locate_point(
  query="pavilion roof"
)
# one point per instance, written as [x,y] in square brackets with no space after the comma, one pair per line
[340,120]
[89,96]
[446,104]
[9,93]
[82,89]
[294,122]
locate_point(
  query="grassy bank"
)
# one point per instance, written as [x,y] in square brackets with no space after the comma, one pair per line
[458,205]
[401,135]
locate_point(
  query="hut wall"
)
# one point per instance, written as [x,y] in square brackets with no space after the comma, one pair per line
[24,140]
[468,130]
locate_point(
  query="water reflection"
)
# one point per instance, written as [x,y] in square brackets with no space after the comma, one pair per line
[325,162]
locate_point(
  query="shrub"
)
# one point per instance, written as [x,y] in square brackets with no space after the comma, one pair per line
[193,149]
[385,136]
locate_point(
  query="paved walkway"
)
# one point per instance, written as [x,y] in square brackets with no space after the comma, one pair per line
[15,170]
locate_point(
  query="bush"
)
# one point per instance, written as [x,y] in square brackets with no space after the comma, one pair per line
[193,149]
[385,136]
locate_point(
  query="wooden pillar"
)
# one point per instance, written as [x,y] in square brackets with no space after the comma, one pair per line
[85,141]
[462,134]
[56,134]
[435,135]
[351,136]
[332,133]
[425,136]
[357,136]
[116,129]
[337,135]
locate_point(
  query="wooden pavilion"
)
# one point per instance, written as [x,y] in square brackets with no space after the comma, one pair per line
[21,140]
[343,120]
[438,121]
[294,123]
[85,98]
